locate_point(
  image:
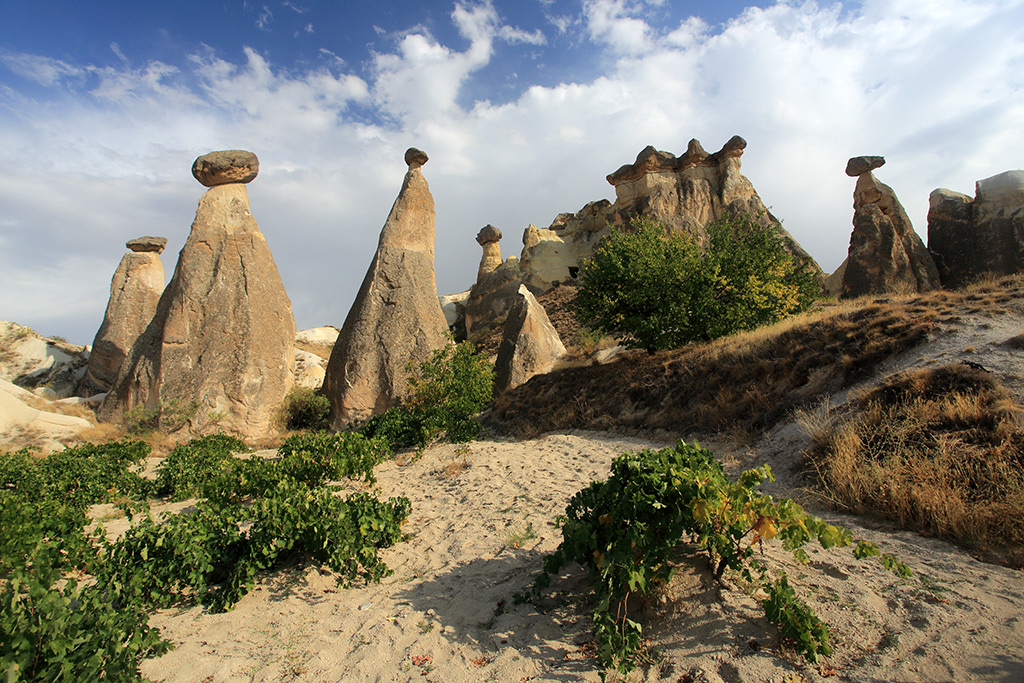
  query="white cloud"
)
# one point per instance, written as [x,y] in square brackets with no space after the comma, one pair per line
[263,20]
[935,86]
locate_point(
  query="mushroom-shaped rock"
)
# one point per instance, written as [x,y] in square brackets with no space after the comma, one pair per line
[147,243]
[488,238]
[135,292]
[414,158]
[226,166]
[396,319]
[860,165]
[733,148]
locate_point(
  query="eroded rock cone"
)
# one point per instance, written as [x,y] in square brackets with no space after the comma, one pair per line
[220,348]
[396,318]
[135,292]
[886,255]
[530,345]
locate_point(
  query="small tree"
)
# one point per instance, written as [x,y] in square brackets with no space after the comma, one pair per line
[660,289]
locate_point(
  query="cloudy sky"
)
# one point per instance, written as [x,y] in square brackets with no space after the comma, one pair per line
[523,106]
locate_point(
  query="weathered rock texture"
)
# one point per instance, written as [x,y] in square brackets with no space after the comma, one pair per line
[685,193]
[226,166]
[135,292]
[31,361]
[886,255]
[222,340]
[858,165]
[971,238]
[530,345]
[488,238]
[396,318]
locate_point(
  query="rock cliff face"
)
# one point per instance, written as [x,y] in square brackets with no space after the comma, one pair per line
[971,238]
[396,318]
[530,345]
[685,193]
[222,339]
[885,255]
[135,292]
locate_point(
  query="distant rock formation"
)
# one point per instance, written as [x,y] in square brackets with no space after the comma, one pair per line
[25,420]
[885,255]
[222,340]
[135,292]
[396,318]
[32,361]
[488,238]
[312,350]
[530,345]
[685,193]
[227,166]
[971,238]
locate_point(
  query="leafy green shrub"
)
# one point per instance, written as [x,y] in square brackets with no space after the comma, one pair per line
[661,290]
[168,416]
[305,408]
[317,457]
[624,529]
[72,633]
[445,393]
[199,467]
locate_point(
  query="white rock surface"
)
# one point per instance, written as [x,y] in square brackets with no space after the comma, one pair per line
[19,416]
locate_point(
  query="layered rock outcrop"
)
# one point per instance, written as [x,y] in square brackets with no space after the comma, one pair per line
[530,345]
[135,292]
[885,255]
[972,238]
[221,345]
[396,318]
[685,193]
[39,363]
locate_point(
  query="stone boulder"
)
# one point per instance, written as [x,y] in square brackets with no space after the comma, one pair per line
[973,238]
[220,349]
[530,345]
[859,165]
[396,318]
[226,166]
[885,255]
[135,292]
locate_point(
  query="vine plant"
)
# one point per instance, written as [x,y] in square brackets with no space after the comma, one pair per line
[624,529]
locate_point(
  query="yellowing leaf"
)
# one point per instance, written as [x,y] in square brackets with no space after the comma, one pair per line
[765,528]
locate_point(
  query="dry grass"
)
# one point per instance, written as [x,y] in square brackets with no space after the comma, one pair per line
[939,450]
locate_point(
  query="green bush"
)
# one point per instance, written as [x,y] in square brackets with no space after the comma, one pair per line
[318,457]
[305,408]
[200,467]
[624,529]
[445,393]
[660,289]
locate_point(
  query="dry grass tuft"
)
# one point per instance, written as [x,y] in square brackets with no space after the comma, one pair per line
[939,450]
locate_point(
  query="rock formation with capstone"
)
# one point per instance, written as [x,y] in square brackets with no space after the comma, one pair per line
[983,236]
[135,292]
[685,193]
[885,255]
[488,238]
[220,349]
[530,345]
[396,318]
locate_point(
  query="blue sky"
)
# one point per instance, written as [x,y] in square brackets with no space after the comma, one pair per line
[523,107]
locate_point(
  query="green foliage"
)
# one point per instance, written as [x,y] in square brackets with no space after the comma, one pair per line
[624,529]
[168,416]
[797,623]
[305,408]
[71,633]
[318,457]
[200,467]
[661,290]
[445,393]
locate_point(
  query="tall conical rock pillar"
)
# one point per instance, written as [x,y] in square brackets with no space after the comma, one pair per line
[220,348]
[134,294]
[396,318]
[886,255]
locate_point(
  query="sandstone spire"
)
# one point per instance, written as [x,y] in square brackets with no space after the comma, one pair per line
[134,294]
[221,344]
[396,318]
[530,344]
[886,255]
[488,238]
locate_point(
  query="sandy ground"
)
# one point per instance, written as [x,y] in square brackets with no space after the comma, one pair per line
[447,612]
